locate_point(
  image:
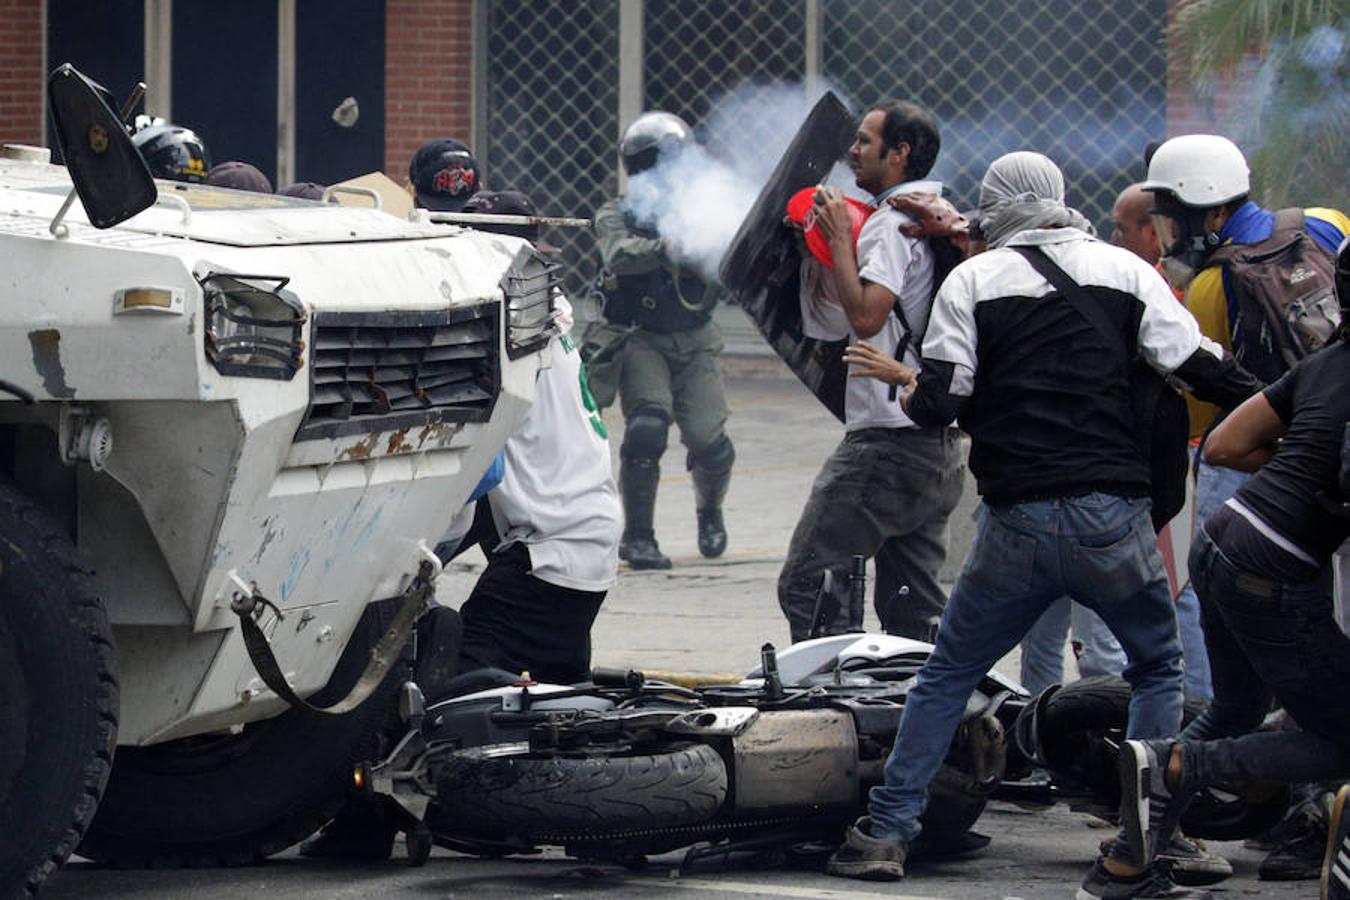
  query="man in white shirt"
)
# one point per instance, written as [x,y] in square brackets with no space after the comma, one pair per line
[888,488]
[552,534]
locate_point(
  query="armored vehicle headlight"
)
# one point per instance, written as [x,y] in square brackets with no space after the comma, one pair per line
[252,326]
[529,288]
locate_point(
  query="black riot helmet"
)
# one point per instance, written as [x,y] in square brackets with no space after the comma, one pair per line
[173,152]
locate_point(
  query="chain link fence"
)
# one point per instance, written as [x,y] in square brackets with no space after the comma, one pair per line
[552,113]
[695,52]
[1082,82]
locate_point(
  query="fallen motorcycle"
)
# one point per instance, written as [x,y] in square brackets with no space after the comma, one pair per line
[621,766]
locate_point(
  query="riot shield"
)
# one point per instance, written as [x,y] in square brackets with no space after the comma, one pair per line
[760,268]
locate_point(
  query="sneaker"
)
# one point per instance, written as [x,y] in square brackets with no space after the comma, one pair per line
[1191,863]
[1148,807]
[1263,842]
[1153,884]
[871,858]
[1278,834]
[1299,855]
[1336,865]
[1187,861]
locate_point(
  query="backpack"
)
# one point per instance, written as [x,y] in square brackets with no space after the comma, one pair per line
[1281,297]
[946,256]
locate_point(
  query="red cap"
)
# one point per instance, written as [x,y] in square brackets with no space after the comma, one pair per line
[800,209]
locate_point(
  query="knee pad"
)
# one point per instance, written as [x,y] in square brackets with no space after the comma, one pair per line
[645,434]
[716,457]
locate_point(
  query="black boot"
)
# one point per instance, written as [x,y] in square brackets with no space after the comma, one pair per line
[638,479]
[710,487]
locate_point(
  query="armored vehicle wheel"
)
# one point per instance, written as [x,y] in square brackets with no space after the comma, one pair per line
[561,796]
[233,799]
[58,697]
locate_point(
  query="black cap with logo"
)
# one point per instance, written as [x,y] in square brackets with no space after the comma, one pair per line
[444,175]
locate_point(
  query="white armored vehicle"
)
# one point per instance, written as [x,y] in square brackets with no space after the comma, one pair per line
[220,414]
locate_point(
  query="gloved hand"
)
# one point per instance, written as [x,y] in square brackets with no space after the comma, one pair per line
[933,216]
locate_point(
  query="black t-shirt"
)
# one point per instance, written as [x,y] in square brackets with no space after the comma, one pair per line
[1313,399]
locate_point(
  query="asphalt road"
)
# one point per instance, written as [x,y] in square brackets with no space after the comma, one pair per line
[701,616]
[1034,856]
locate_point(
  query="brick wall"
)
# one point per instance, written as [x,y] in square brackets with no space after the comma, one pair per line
[428,77]
[1186,114]
[21,42]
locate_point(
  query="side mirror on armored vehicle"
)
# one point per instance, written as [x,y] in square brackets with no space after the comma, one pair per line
[108,172]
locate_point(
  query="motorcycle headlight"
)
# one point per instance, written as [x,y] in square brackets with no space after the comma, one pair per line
[252,327]
[529,288]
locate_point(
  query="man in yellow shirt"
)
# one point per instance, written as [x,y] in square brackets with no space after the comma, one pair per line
[1200,184]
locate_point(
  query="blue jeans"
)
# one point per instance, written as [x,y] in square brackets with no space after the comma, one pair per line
[1213,486]
[1097,549]
[1043,647]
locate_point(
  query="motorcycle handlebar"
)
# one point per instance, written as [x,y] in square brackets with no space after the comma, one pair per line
[603,676]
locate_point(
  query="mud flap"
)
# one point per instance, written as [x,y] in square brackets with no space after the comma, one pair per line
[760,268]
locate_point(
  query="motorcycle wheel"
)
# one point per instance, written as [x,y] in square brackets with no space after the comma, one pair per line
[232,799]
[58,697]
[560,796]
[1082,715]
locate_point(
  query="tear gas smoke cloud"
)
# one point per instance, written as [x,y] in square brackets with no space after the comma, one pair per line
[697,198]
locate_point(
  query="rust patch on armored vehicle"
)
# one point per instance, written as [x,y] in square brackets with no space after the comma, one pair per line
[46,344]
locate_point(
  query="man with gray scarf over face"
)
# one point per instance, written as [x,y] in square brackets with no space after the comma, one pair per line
[1043,392]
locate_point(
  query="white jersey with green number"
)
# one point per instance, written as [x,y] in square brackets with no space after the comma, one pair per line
[558,494]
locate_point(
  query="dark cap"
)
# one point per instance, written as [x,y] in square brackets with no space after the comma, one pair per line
[506,203]
[305,190]
[444,175]
[239,175]
[1149,149]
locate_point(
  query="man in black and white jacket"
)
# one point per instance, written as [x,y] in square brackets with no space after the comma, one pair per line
[1044,395]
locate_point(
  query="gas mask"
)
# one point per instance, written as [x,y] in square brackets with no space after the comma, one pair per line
[1184,239]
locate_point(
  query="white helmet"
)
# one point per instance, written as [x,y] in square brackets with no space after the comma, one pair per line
[1200,170]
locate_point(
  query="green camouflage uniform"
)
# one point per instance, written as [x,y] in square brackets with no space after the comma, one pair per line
[657,348]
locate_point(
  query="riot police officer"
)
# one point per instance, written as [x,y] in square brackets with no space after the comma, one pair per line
[658,346]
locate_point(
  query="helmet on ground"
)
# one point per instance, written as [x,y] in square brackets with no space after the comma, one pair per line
[650,134]
[173,152]
[1199,170]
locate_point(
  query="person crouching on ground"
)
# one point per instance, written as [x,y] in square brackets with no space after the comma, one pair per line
[1261,565]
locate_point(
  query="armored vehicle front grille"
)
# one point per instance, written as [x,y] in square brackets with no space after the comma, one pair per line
[372,372]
